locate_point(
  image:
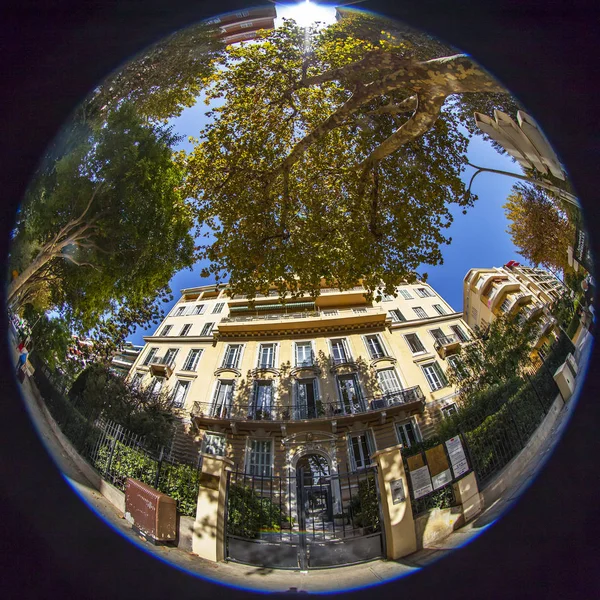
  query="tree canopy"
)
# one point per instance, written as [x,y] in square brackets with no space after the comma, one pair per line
[100,235]
[497,355]
[333,154]
[97,391]
[538,227]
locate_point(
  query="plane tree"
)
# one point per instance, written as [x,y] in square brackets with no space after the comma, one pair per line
[333,154]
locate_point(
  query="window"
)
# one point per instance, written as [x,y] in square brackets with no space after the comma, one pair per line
[387,297]
[207,328]
[170,356]
[359,311]
[437,334]
[304,354]
[180,310]
[420,312]
[260,458]
[406,295]
[150,356]
[505,305]
[213,443]
[423,293]
[218,307]
[474,312]
[185,329]
[266,356]
[388,381]
[330,313]
[232,356]
[374,346]
[222,401]
[263,400]
[448,411]
[191,362]
[435,377]
[198,310]
[396,316]
[414,343]
[166,329]
[459,332]
[157,385]
[457,367]
[136,382]
[350,394]
[439,309]
[180,392]
[360,450]
[340,351]
[307,403]
[408,434]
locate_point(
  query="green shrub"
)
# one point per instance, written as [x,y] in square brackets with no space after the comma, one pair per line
[364,506]
[249,515]
[442,498]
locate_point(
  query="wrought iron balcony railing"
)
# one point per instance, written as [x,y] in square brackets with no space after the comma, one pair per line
[312,314]
[300,411]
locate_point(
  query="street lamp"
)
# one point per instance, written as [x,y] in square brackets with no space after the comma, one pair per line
[527,144]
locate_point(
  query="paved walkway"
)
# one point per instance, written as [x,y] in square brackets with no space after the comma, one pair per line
[257,578]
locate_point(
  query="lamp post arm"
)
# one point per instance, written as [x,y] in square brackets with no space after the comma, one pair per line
[565,195]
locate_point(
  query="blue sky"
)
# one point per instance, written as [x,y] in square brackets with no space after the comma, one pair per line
[479,238]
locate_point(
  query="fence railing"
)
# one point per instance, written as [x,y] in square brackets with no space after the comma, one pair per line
[251,411]
[311,314]
[498,423]
[114,451]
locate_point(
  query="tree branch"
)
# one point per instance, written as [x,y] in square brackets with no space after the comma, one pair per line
[76,262]
[433,79]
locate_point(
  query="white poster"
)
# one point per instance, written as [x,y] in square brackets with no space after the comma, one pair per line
[457,456]
[441,479]
[421,482]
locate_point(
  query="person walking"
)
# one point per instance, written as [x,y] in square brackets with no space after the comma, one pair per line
[21,363]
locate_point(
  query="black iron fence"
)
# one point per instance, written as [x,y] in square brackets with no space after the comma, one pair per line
[305,519]
[114,451]
[498,422]
[253,411]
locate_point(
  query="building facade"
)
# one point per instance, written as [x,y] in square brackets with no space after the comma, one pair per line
[490,292]
[336,377]
[123,360]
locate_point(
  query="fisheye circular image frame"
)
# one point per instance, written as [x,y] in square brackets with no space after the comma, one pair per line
[245,314]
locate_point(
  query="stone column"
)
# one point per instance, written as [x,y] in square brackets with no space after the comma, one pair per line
[208,536]
[399,525]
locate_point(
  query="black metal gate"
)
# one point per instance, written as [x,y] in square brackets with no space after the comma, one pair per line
[303,522]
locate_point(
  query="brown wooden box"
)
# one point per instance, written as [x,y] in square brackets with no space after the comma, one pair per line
[154,514]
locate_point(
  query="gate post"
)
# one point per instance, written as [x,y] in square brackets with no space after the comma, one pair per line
[208,532]
[399,525]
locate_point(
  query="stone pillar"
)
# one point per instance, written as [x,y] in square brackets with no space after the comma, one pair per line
[208,535]
[400,536]
[467,495]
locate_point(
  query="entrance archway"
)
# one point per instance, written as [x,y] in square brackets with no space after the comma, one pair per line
[313,477]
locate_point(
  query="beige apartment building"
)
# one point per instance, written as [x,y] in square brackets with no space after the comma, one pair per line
[505,290]
[335,376]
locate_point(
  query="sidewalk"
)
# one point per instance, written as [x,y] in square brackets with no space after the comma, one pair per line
[267,579]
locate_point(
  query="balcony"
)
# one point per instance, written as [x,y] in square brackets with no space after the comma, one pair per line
[485,288]
[298,321]
[506,287]
[519,300]
[546,323]
[532,311]
[446,345]
[410,398]
[161,367]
